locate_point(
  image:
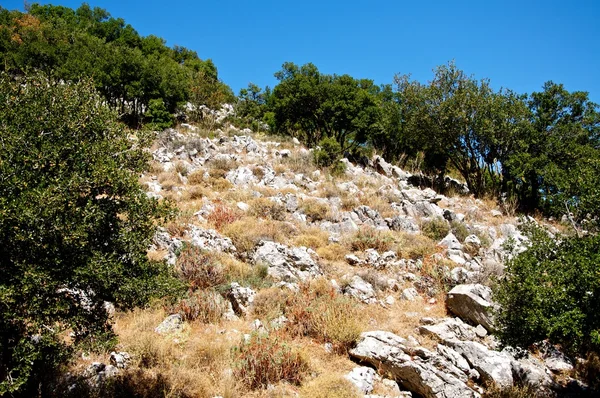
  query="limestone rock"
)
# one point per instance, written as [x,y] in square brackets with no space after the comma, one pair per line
[363,378]
[360,290]
[286,264]
[172,324]
[241,298]
[473,303]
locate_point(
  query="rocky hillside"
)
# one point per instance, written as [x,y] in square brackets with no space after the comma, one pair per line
[365,283]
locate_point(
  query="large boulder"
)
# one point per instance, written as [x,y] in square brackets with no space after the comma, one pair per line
[363,378]
[416,369]
[211,240]
[285,263]
[473,303]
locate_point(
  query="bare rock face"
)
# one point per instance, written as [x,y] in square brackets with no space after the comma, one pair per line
[172,324]
[209,239]
[416,369]
[285,263]
[473,303]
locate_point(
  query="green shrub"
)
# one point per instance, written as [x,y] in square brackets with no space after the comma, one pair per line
[75,225]
[551,291]
[436,228]
[158,116]
[329,152]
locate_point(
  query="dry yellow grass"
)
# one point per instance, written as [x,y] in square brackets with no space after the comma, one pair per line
[330,386]
[247,232]
[314,238]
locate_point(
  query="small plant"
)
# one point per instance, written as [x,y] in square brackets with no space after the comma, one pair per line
[370,238]
[267,359]
[196,178]
[436,228]
[267,208]
[338,169]
[317,310]
[199,268]
[315,209]
[222,216]
[459,230]
[207,306]
[328,153]
[330,386]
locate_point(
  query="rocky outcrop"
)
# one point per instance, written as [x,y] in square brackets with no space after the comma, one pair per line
[285,263]
[241,298]
[414,368]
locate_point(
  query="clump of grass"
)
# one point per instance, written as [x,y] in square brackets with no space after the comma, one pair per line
[495,391]
[370,238]
[168,180]
[222,216]
[196,178]
[207,306]
[315,209]
[314,238]
[318,311]
[332,252]
[195,192]
[267,208]
[459,230]
[437,228]
[267,359]
[219,167]
[271,303]
[415,246]
[199,268]
[247,232]
[330,386]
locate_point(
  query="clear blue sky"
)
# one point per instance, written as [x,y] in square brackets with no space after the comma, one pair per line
[517,44]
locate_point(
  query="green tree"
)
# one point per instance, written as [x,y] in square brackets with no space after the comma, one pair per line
[551,291]
[460,122]
[550,161]
[74,225]
[316,106]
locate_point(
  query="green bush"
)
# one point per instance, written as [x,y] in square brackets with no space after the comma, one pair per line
[158,116]
[75,225]
[329,152]
[552,291]
[436,228]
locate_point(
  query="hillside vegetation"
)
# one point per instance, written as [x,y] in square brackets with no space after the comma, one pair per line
[160,236]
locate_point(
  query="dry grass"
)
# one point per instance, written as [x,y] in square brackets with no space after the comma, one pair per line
[196,178]
[199,268]
[402,318]
[415,246]
[332,252]
[318,311]
[189,365]
[267,208]
[267,359]
[206,306]
[314,238]
[330,386]
[247,232]
[169,180]
[377,202]
[315,210]
[370,238]
[222,216]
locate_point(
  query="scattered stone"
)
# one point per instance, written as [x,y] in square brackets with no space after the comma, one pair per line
[172,324]
[120,359]
[410,294]
[241,298]
[360,290]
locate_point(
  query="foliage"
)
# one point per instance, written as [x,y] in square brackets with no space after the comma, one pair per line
[370,238]
[318,106]
[551,291]
[266,359]
[75,224]
[128,69]
[328,152]
[158,116]
[436,229]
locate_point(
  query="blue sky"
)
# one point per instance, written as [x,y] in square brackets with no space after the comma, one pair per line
[517,44]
